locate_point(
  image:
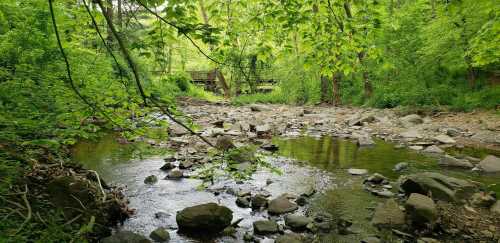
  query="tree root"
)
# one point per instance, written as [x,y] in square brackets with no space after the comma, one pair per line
[28,207]
[100,185]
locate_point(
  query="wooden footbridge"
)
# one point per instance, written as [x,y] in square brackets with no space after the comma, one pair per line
[214,79]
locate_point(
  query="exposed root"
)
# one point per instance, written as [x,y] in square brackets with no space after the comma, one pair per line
[28,207]
[100,185]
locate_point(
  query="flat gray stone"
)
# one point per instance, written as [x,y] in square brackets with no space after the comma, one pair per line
[490,164]
[353,171]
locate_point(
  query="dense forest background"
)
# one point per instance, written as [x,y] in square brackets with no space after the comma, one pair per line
[120,60]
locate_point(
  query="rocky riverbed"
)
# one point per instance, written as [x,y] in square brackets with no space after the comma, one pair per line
[348,175]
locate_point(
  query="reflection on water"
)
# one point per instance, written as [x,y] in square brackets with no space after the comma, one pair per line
[336,155]
[332,154]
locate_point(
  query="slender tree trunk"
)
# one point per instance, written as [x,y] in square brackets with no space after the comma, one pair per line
[368,88]
[120,14]
[324,90]
[203,11]
[336,79]
[169,67]
[108,11]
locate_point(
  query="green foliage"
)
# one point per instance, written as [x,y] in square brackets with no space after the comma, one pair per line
[236,164]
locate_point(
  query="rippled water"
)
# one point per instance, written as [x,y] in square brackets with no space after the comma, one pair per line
[322,162]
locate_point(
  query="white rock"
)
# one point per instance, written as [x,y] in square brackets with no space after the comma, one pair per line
[353,171]
[490,164]
[433,149]
[444,139]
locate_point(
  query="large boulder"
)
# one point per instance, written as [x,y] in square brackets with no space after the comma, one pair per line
[490,164]
[388,215]
[208,217]
[441,187]
[454,162]
[281,205]
[421,208]
[125,237]
[263,227]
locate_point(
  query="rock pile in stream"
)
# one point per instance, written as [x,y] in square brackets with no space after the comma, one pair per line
[432,204]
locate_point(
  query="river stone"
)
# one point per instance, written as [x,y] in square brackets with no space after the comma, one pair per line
[482,199]
[496,208]
[297,222]
[388,215]
[400,166]
[353,171]
[152,179]
[289,238]
[208,217]
[125,237]
[421,208]
[243,202]
[186,164]
[411,134]
[175,175]
[224,143]
[441,187]
[281,205]
[444,139]
[160,235]
[263,130]
[433,149]
[371,239]
[167,166]
[427,240]
[365,141]
[450,161]
[411,120]
[258,201]
[263,227]
[376,178]
[490,164]
[270,147]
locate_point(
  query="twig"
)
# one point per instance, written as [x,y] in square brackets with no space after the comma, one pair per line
[68,68]
[81,204]
[28,217]
[73,219]
[100,185]
[40,218]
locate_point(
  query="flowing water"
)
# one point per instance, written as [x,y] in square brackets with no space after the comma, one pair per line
[319,162]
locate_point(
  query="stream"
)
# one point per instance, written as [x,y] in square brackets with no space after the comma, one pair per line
[319,162]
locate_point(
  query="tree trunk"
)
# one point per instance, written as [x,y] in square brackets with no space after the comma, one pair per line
[108,11]
[169,67]
[336,79]
[324,90]
[120,14]
[368,88]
